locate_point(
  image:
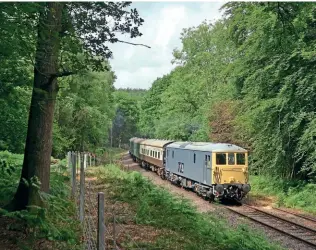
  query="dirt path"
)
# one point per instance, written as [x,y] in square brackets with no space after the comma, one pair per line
[205,206]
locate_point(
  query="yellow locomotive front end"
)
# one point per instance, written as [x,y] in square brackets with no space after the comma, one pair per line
[230,174]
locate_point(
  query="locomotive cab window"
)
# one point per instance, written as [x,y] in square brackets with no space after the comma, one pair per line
[241,158]
[172,154]
[221,159]
[231,159]
[194,157]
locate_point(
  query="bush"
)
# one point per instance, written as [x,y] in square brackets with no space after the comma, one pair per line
[294,194]
[10,168]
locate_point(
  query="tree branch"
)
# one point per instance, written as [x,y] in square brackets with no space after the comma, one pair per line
[136,44]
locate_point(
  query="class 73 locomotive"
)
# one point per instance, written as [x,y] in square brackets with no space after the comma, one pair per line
[212,170]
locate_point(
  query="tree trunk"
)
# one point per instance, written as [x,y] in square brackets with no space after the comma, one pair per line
[38,146]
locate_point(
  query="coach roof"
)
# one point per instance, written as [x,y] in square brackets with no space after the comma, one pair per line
[155,143]
[207,146]
[138,140]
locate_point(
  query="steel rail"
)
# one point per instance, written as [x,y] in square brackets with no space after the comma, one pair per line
[306,217]
[281,218]
[308,230]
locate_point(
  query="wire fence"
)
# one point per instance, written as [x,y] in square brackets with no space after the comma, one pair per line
[103,223]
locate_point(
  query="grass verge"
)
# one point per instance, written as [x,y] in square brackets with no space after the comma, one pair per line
[186,228]
[293,194]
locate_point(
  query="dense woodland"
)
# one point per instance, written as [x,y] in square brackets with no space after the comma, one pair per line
[248,79]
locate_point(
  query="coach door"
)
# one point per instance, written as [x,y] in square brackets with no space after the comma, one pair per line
[207,169]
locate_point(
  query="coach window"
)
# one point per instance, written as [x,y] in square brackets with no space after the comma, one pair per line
[151,153]
[194,157]
[158,155]
[241,159]
[208,161]
[172,154]
[221,159]
[231,159]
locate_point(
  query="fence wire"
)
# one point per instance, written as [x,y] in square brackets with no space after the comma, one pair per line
[114,214]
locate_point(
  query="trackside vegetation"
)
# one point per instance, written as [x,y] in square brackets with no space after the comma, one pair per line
[289,193]
[53,226]
[187,228]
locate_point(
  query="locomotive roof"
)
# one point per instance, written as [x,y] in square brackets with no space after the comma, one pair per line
[155,143]
[207,146]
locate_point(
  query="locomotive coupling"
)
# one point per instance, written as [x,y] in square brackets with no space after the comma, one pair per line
[219,188]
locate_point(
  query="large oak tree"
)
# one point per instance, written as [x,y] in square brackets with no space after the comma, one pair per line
[71,38]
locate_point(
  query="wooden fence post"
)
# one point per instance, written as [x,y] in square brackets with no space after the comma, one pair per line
[82,183]
[85,161]
[73,174]
[79,163]
[69,163]
[101,226]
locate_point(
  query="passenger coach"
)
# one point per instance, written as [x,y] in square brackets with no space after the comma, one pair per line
[153,155]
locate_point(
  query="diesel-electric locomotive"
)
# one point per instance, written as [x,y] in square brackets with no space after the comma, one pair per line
[212,170]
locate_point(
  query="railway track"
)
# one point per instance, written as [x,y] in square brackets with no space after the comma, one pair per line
[282,225]
[306,217]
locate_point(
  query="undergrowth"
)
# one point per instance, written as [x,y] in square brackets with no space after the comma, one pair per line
[55,224]
[109,155]
[294,194]
[191,230]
